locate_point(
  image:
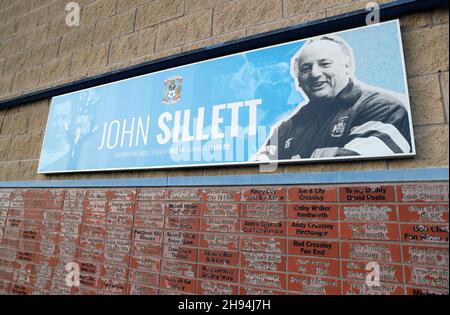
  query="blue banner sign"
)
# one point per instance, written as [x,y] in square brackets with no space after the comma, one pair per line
[339,96]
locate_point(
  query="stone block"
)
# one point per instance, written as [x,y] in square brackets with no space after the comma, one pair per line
[89,58]
[15,124]
[240,14]
[26,79]
[426,101]
[113,27]
[157,12]
[25,147]
[431,147]
[184,30]
[426,50]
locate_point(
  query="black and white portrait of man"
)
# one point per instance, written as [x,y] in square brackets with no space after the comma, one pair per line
[341,116]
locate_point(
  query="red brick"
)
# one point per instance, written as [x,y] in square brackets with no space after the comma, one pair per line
[216,288]
[369,231]
[182,209]
[264,211]
[312,194]
[221,194]
[136,289]
[247,290]
[93,230]
[423,212]
[370,251]
[146,248]
[264,194]
[140,234]
[113,286]
[361,288]
[367,212]
[316,229]
[90,255]
[149,221]
[180,252]
[115,258]
[229,210]
[263,279]
[314,266]
[422,192]
[357,270]
[18,289]
[95,205]
[436,233]
[178,283]
[313,211]
[187,194]
[263,244]
[118,245]
[273,227]
[150,208]
[96,194]
[120,194]
[426,291]
[305,247]
[53,204]
[425,255]
[180,238]
[219,224]
[118,219]
[373,193]
[218,273]
[121,206]
[151,194]
[263,261]
[91,242]
[179,268]
[181,223]
[218,257]
[94,218]
[118,232]
[426,276]
[314,285]
[143,277]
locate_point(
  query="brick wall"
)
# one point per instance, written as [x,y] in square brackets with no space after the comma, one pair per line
[38,50]
[233,240]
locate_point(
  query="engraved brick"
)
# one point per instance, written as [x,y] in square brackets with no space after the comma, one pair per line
[360,288]
[218,224]
[369,231]
[182,209]
[436,233]
[367,212]
[181,223]
[357,270]
[218,241]
[314,285]
[426,255]
[143,277]
[263,211]
[180,238]
[218,273]
[312,194]
[263,244]
[146,249]
[136,289]
[118,232]
[275,227]
[221,195]
[426,276]
[141,234]
[312,211]
[306,247]
[178,283]
[221,210]
[121,206]
[314,266]
[149,221]
[179,268]
[374,193]
[151,194]
[422,193]
[115,258]
[180,252]
[216,288]
[148,207]
[370,251]
[263,261]
[318,229]
[264,194]
[423,212]
[219,257]
[263,279]
[113,286]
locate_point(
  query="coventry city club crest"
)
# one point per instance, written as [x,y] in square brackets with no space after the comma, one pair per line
[172,90]
[339,128]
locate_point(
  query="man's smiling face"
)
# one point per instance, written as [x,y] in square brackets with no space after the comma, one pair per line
[324,69]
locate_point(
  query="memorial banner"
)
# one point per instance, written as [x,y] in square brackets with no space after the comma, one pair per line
[339,96]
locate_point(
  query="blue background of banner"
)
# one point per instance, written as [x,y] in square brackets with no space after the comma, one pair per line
[261,74]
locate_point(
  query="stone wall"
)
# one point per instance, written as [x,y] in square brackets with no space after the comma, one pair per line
[38,50]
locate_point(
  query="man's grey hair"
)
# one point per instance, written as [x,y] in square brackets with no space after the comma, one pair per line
[348,51]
